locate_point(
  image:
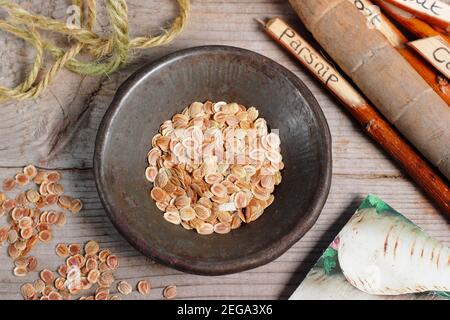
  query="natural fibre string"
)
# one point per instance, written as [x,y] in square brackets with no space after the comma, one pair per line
[108,54]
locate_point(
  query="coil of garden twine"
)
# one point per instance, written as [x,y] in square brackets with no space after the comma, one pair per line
[107,53]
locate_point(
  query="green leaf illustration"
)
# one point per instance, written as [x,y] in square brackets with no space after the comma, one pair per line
[374,202]
[329,260]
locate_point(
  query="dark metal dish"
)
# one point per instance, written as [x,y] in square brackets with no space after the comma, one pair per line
[218,73]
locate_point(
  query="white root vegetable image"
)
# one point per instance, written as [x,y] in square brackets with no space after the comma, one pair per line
[386,254]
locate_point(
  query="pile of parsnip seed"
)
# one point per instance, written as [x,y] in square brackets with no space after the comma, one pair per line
[214,166]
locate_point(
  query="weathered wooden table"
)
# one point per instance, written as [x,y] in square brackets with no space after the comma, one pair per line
[70,111]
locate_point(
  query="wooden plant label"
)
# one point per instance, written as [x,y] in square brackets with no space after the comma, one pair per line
[315,63]
[375,20]
[436,51]
[434,11]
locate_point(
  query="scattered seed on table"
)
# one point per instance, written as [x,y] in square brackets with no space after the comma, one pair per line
[33,196]
[47,276]
[76,206]
[124,288]
[62,250]
[91,248]
[20,271]
[112,262]
[53,176]
[39,285]
[74,248]
[170,292]
[32,264]
[27,290]
[143,287]
[8,184]
[22,179]
[30,171]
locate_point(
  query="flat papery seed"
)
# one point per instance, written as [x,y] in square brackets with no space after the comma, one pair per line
[103,267]
[268,181]
[213,178]
[61,219]
[172,217]
[20,245]
[21,262]
[81,260]
[235,221]
[163,143]
[20,271]
[187,213]
[195,109]
[91,247]
[150,173]
[219,200]
[9,204]
[182,201]
[25,222]
[53,176]
[2,197]
[26,233]
[219,190]
[258,154]
[124,288]
[162,206]
[47,276]
[224,216]
[33,196]
[202,212]
[222,228]
[62,250]
[217,107]
[3,234]
[93,276]
[143,287]
[112,262]
[102,296]
[40,177]
[74,249]
[170,292]
[39,285]
[240,200]
[76,206]
[55,296]
[32,264]
[158,194]
[274,156]
[64,202]
[27,290]
[91,264]
[43,188]
[60,283]
[22,179]
[45,236]
[62,270]
[30,171]
[107,277]
[153,156]
[206,229]
[51,199]
[103,255]
[186,225]
[52,217]
[8,184]
[273,140]
[250,170]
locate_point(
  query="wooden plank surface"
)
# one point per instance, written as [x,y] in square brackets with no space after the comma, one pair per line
[58,129]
